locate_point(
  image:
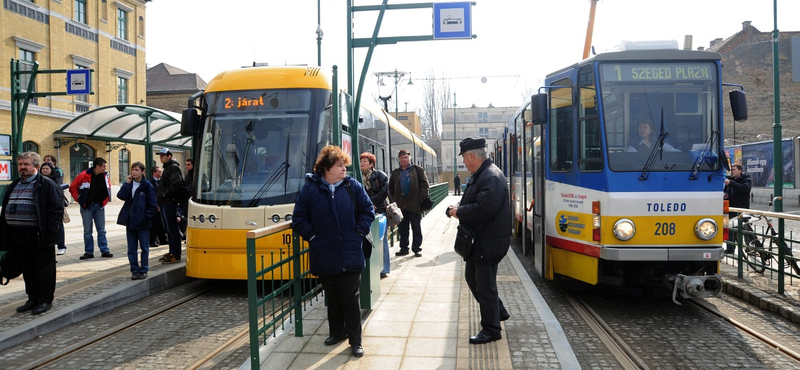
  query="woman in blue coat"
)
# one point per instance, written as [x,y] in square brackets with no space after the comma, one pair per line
[139,208]
[332,222]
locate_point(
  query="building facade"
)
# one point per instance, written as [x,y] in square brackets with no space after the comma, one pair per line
[106,36]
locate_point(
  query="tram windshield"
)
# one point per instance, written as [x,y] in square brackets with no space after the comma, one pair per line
[661,116]
[255,145]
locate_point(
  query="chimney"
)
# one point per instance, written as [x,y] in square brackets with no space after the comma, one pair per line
[716,41]
[746,24]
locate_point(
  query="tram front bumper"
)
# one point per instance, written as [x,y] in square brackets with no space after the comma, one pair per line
[662,254]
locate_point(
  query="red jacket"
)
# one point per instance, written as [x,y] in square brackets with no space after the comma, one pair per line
[79,188]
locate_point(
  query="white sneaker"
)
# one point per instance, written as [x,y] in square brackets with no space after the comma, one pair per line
[61,252]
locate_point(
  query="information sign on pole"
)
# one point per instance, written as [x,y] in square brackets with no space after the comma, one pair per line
[452,20]
[78,82]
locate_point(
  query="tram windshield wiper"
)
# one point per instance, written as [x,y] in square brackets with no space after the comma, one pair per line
[703,155]
[657,150]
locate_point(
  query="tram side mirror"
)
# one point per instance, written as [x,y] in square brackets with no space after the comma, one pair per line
[538,109]
[189,121]
[738,105]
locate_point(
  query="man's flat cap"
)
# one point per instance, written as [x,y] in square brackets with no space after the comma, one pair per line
[471,143]
[403,152]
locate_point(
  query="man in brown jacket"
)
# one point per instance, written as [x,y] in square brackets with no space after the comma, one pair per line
[408,187]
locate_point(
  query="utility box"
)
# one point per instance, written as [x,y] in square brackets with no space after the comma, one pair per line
[371,276]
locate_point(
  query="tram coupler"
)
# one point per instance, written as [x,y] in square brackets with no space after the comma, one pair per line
[690,287]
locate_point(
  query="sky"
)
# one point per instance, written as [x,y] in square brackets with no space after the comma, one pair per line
[518,42]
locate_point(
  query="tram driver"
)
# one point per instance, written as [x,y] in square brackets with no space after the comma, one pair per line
[647,138]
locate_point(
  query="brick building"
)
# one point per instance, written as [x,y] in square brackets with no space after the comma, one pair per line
[107,36]
[747,60]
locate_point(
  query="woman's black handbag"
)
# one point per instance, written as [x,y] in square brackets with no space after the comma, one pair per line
[366,246]
[465,242]
[366,242]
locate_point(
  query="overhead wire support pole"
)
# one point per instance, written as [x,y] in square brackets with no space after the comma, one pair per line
[777,146]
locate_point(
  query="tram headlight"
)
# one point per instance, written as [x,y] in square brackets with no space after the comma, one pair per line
[212,219]
[276,218]
[288,217]
[624,229]
[705,229]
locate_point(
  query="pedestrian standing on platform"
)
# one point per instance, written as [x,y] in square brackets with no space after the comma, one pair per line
[457,185]
[58,177]
[92,190]
[408,187]
[170,194]
[189,180]
[333,223]
[157,233]
[376,183]
[136,215]
[737,192]
[33,207]
[485,210]
[47,170]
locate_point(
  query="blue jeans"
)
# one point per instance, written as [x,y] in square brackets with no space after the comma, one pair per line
[62,244]
[387,265]
[97,214]
[136,239]
[169,214]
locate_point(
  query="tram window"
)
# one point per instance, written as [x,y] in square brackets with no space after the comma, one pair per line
[561,128]
[589,148]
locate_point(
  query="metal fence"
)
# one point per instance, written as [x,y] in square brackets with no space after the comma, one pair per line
[272,303]
[757,236]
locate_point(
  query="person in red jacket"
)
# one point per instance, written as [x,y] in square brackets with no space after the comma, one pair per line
[92,190]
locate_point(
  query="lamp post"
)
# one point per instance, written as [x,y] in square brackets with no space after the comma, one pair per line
[319,36]
[397,76]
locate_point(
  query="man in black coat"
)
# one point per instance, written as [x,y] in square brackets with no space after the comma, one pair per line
[170,193]
[737,192]
[33,208]
[485,210]
[158,235]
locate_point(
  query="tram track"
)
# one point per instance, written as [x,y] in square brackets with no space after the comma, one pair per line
[772,343]
[119,329]
[626,357]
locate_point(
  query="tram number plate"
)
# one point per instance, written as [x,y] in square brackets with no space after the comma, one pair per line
[665,228]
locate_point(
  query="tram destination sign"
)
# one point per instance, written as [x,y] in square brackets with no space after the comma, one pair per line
[631,72]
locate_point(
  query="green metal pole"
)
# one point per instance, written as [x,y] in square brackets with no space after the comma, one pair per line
[252,304]
[319,35]
[297,287]
[336,129]
[15,86]
[455,152]
[777,145]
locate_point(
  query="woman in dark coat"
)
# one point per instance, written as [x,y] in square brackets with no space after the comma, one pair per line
[139,208]
[376,183]
[332,222]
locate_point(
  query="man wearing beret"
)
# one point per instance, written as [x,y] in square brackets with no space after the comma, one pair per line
[484,209]
[408,187]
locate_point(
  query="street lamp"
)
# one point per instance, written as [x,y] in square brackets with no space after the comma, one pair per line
[319,36]
[397,76]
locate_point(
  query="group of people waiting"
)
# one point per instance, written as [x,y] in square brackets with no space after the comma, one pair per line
[33,216]
[333,212]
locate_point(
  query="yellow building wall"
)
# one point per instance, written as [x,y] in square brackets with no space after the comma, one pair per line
[45,24]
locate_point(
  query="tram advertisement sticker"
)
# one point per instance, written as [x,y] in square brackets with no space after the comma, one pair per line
[574,225]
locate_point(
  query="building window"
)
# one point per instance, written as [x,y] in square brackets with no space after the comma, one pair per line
[122,24]
[483,132]
[141,26]
[80,11]
[124,164]
[28,59]
[30,146]
[483,117]
[83,98]
[122,90]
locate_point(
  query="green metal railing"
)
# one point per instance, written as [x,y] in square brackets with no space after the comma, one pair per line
[276,302]
[776,261]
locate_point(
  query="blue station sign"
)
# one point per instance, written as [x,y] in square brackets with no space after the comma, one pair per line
[452,20]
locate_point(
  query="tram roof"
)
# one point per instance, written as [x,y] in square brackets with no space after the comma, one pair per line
[258,78]
[646,55]
[127,123]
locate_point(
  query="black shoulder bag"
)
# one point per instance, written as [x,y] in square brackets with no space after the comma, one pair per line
[465,242]
[427,203]
[366,243]
[9,267]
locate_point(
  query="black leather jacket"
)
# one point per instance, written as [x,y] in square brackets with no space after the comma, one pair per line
[379,190]
[485,210]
